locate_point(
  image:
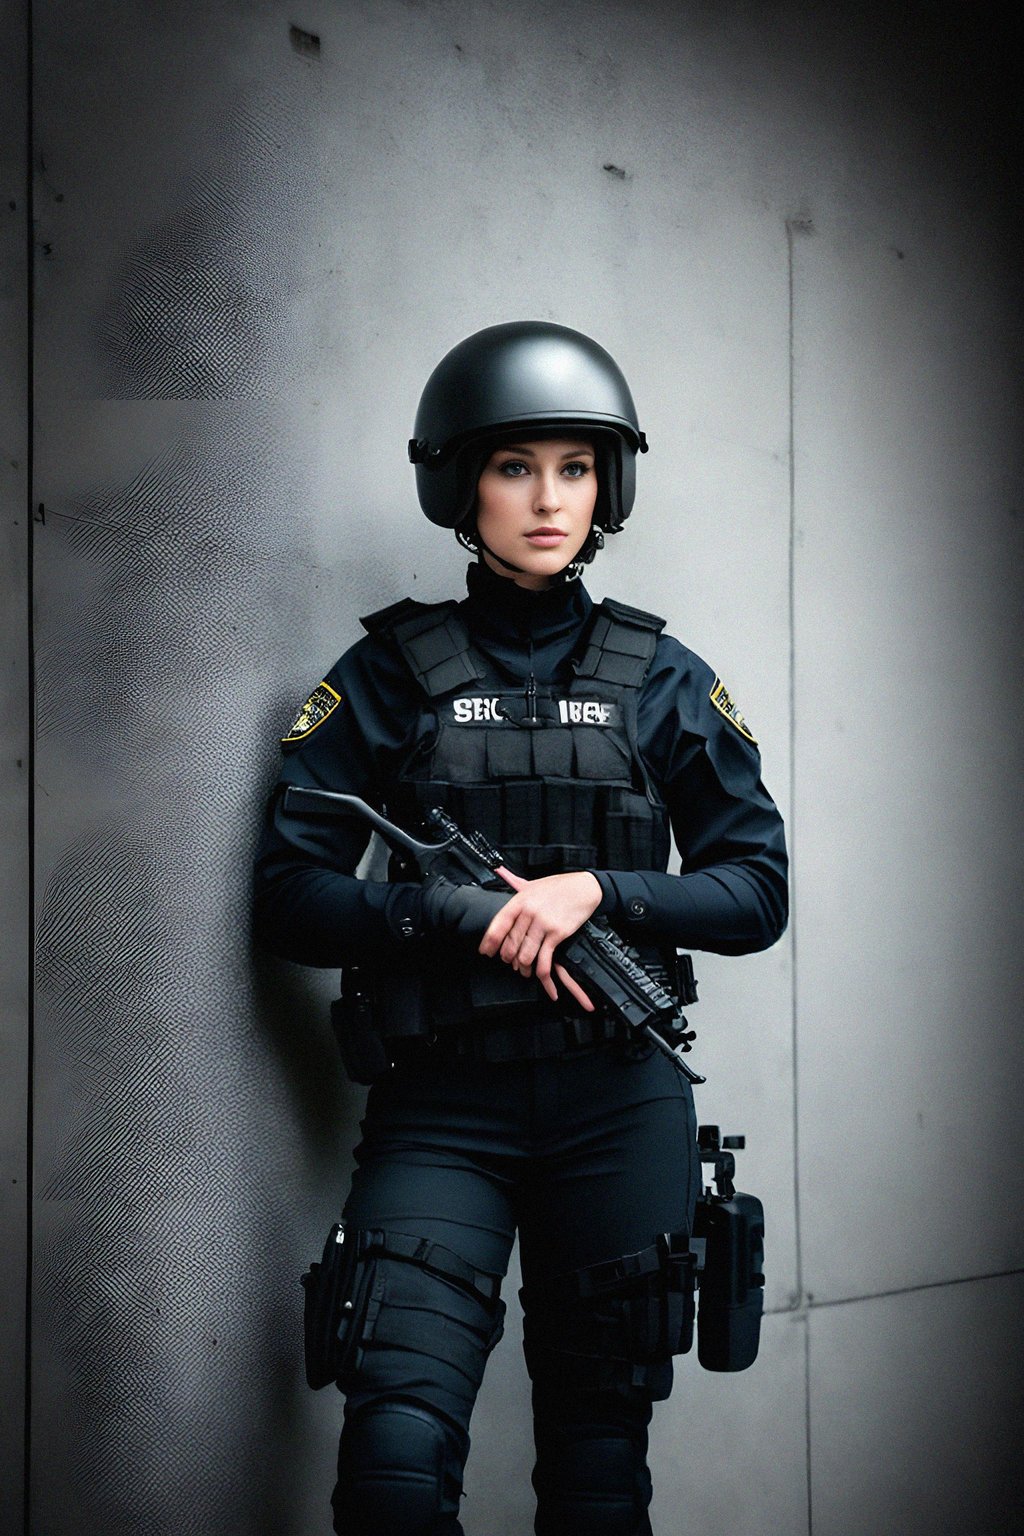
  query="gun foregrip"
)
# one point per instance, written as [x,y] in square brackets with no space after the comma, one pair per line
[604,962]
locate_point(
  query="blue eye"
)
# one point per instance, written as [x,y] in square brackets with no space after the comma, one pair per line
[576,471]
[513,468]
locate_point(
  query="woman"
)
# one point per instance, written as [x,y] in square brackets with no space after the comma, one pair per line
[573,736]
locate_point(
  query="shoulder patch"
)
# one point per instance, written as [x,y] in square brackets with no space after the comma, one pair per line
[322,702]
[723,703]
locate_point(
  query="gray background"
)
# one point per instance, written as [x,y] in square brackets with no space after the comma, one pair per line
[792,227]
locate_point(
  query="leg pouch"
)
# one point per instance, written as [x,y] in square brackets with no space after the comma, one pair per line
[615,1325]
[329,1305]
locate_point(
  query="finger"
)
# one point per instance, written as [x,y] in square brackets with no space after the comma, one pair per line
[517,882]
[529,949]
[517,936]
[574,989]
[497,929]
[545,958]
[547,982]
[509,947]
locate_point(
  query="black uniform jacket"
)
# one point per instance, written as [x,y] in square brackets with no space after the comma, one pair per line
[730,895]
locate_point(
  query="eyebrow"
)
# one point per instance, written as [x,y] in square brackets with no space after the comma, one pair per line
[525,452]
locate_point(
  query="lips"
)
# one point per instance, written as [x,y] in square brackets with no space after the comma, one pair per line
[546,537]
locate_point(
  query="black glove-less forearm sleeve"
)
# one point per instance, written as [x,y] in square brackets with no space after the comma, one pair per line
[463,910]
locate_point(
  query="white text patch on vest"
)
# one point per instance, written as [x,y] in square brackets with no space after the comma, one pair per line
[467,710]
[484,709]
[584,712]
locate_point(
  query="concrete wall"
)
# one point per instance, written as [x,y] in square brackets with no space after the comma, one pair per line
[256,231]
[15,755]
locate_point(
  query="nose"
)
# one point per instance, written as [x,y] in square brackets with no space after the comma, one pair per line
[548,496]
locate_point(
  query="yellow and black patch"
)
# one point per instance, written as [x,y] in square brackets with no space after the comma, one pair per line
[725,706]
[321,703]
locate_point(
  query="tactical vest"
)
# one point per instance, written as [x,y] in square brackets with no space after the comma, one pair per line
[551,775]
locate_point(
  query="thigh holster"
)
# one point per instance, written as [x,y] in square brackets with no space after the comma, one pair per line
[615,1325]
[377,1291]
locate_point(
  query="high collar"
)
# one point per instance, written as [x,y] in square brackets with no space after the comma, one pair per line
[498,609]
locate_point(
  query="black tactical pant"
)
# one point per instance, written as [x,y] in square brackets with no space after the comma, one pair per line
[590,1156]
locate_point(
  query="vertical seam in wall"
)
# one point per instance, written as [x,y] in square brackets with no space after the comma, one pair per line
[807,1420]
[30,701]
[792,761]
[791,226]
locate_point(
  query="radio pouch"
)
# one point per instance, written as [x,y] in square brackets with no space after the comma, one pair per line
[732,1283]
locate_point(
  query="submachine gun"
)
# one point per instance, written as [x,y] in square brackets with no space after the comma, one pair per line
[595,956]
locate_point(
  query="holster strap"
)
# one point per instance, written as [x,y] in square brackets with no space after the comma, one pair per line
[432,1256]
[675,1254]
[408,1330]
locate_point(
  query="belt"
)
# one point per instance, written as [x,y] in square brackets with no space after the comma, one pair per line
[528,1039]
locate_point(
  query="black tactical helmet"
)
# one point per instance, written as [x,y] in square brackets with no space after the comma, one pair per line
[529,374]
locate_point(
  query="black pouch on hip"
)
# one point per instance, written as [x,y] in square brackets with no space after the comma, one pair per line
[355,1028]
[732,1283]
[328,1303]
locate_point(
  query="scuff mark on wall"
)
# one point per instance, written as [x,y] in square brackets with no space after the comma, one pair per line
[304,42]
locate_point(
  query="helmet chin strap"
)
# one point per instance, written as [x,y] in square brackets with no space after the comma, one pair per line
[486,548]
[567,573]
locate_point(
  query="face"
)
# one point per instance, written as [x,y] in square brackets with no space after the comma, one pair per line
[535,504]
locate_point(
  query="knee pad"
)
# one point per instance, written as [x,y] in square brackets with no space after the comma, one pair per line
[399,1473]
[614,1326]
[591,1473]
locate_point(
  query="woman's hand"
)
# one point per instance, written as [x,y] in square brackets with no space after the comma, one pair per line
[527,930]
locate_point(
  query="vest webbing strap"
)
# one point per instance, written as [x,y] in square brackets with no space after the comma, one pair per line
[600,823]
